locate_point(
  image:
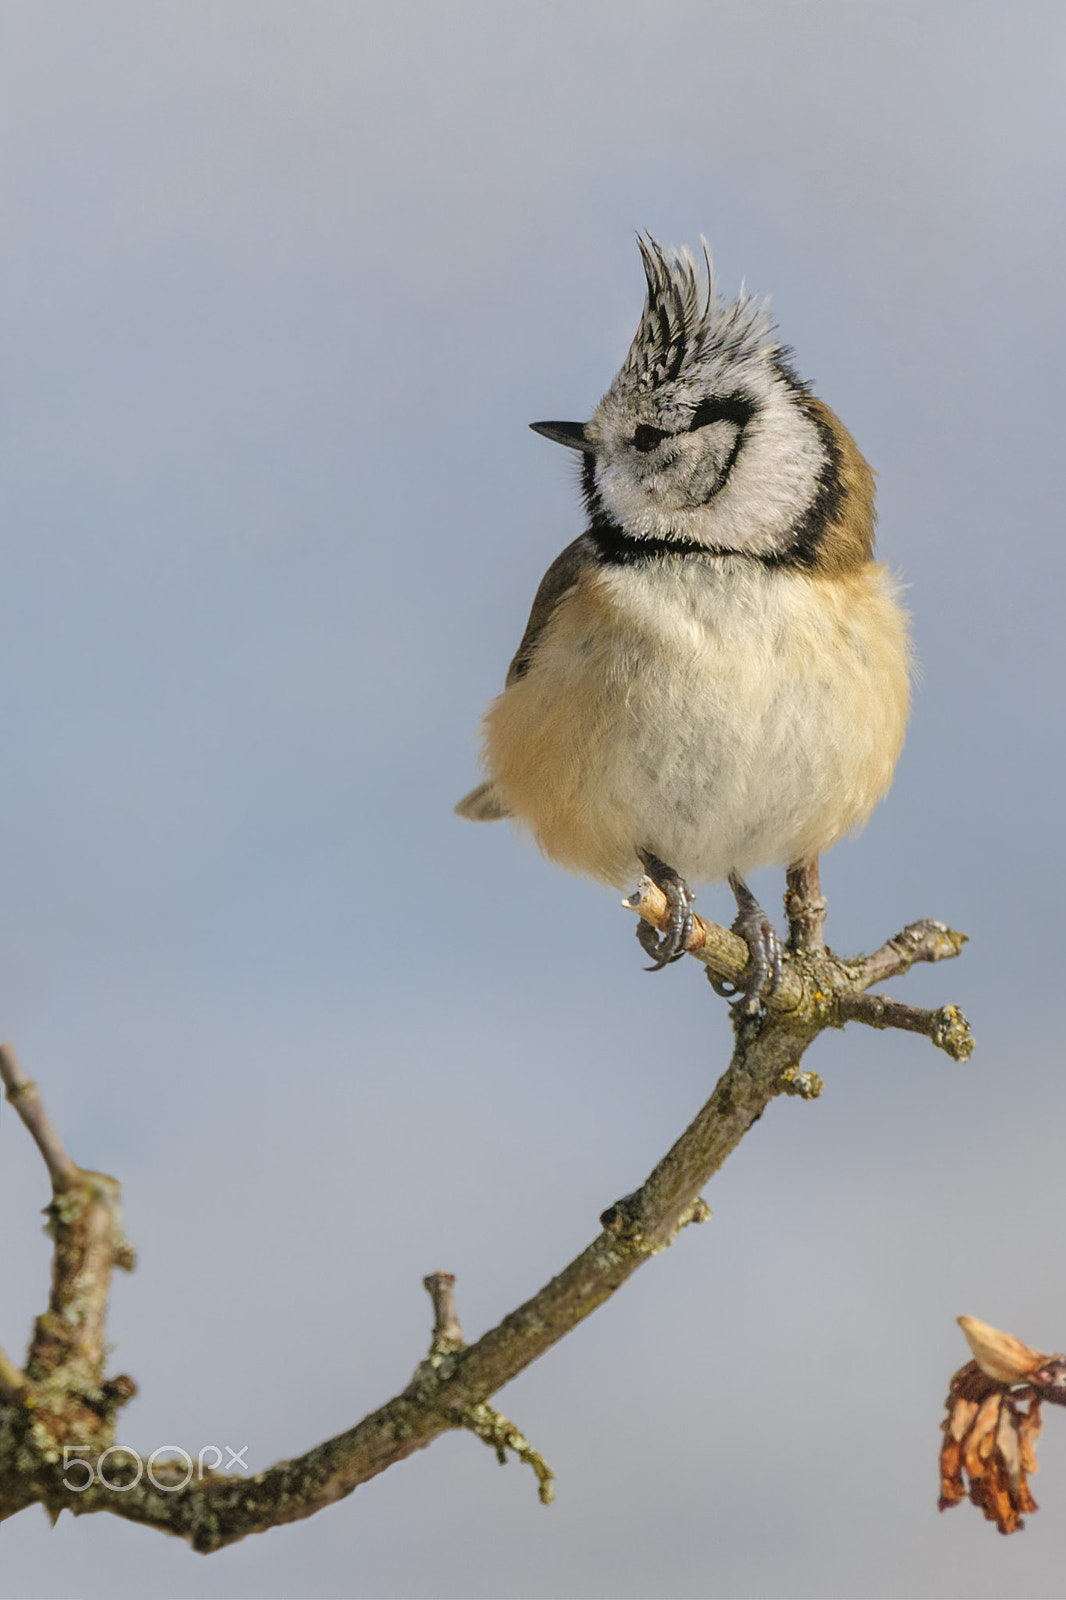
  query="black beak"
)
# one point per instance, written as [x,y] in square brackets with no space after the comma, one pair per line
[572,434]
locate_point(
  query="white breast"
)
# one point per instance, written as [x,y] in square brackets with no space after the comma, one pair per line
[723,715]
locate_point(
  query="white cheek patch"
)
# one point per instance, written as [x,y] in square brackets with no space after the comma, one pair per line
[708,461]
[771,484]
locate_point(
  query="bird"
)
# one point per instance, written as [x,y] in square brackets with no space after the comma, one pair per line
[715,675]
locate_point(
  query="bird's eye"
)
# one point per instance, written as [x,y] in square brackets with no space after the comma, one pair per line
[646,438]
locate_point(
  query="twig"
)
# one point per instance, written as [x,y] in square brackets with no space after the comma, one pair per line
[947,1027]
[493,1429]
[805,908]
[22,1092]
[447,1329]
[920,941]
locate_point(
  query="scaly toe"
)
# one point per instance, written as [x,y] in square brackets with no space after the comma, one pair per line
[760,936]
[687,923]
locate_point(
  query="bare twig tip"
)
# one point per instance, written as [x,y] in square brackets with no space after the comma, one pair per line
[447,1329]
[23,1094]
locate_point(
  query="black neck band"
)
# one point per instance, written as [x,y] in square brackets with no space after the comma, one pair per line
[616,548]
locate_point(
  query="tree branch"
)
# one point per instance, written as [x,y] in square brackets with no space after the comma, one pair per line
[63,1399]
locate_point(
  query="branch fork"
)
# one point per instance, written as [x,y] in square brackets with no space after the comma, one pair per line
[489,1425]
[815,984]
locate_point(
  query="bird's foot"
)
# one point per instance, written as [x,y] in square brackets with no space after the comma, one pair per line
[764,946]
[680,900]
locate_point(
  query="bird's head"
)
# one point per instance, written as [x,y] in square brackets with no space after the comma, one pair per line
[706,436]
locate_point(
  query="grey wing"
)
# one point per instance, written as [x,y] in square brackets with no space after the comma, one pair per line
[482,804]
[554,586]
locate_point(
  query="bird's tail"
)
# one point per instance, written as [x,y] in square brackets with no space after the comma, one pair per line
[481,805]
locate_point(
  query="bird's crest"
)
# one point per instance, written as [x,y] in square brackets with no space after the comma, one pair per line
[685,321]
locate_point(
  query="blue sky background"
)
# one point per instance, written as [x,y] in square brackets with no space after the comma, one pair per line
[282,285]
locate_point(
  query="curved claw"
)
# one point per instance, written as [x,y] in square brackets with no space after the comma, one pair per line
[649,942]
[760,936]
[671,947]
[680,900]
